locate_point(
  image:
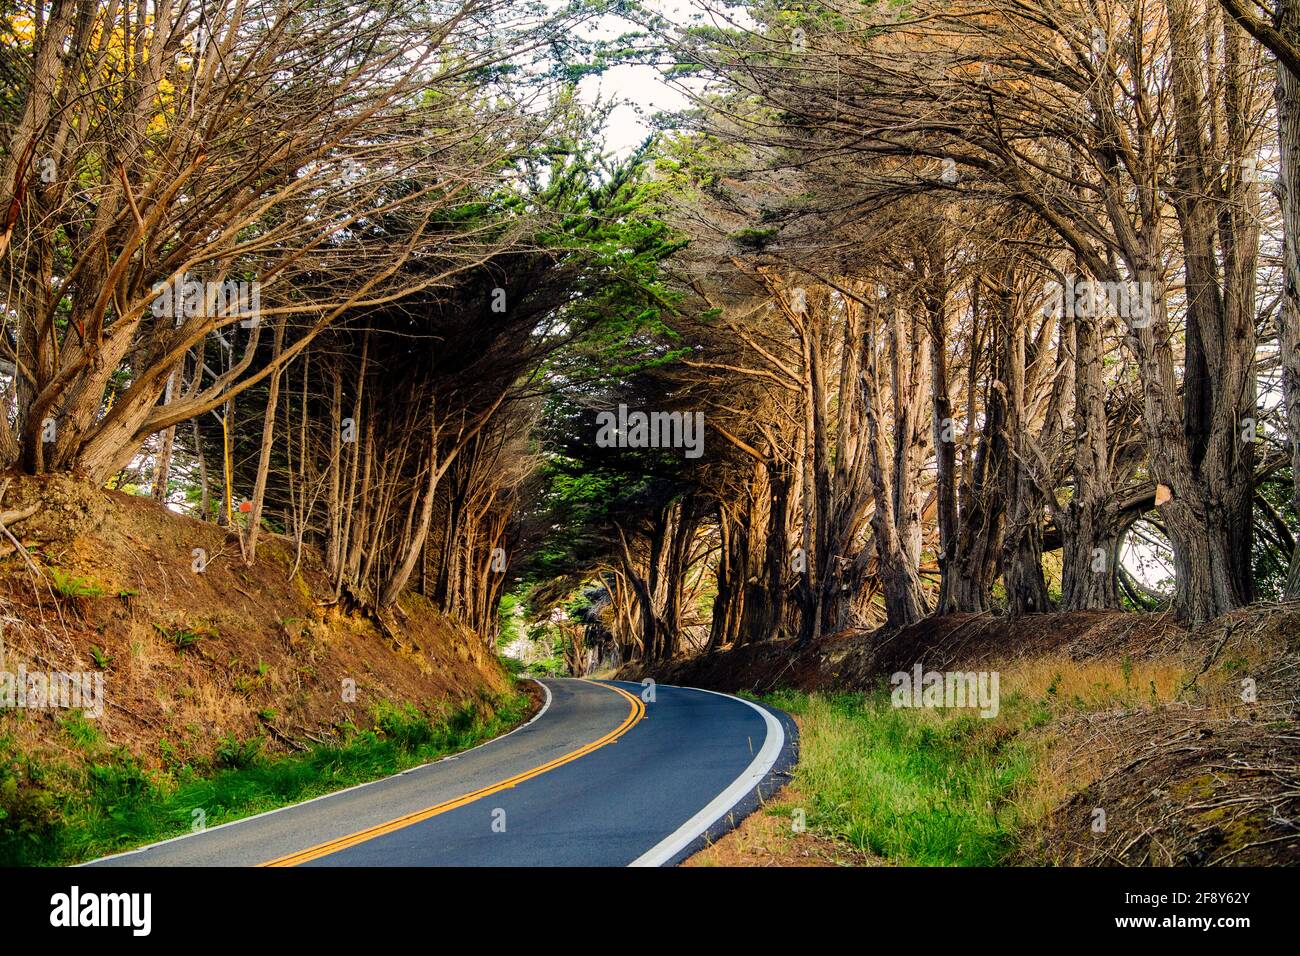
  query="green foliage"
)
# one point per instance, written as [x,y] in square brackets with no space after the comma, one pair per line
[515,607]
[513,666]
[552,666]
[235,754]
[753,239]
[184,637]
[508,615]
[28,810]
[66,584]
[1276,529]
[612,237]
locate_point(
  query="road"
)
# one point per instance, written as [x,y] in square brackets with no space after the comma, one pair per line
[607,774]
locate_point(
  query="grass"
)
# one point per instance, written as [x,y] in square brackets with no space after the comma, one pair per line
[81,731]
[922,787]
[54,814]
[946,787]
[183,637]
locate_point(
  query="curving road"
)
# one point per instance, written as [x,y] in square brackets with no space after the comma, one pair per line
[607,774]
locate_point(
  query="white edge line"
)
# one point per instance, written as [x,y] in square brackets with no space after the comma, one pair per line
[753,775]
[332,793]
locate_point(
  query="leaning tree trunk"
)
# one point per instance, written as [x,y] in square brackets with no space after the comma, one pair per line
[167,443]
[264,455]
[414,542]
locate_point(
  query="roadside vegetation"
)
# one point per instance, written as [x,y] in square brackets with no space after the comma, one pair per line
[58,813]
[916,787]
[944,786]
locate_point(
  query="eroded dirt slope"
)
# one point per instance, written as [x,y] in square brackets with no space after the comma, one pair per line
[190,658]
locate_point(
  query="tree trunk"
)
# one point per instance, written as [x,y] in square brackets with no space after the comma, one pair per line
[1022,544]
[904,598]
[1287,18]
[264,456]
[1088,523]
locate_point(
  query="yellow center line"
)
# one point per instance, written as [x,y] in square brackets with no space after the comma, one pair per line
[635,714]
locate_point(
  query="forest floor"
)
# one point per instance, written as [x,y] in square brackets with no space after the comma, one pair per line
[1120,739]
[189,675]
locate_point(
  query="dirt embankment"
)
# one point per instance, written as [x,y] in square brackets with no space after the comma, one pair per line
[190,657]
[1202,769]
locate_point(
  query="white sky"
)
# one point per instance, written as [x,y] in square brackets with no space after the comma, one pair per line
[639,90]
[640,93]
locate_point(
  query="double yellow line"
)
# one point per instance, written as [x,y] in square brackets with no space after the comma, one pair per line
[636,712]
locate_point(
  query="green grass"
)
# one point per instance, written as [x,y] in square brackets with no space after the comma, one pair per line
[61,814]
[81,731]
[917,786]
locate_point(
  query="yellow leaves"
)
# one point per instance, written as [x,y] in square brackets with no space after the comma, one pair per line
[23,29]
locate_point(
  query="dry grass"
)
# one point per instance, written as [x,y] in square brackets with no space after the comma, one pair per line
[1207,776]
[1096,683]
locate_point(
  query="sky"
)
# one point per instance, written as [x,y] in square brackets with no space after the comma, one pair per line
[639,90]
[640,93]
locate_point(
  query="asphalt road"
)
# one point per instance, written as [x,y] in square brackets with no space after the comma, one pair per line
[607,774]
